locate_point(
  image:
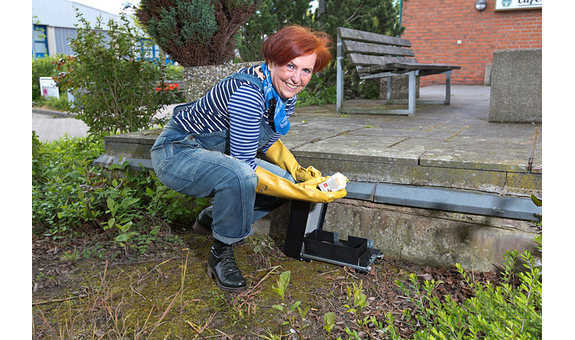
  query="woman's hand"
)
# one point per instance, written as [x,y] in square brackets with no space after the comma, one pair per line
[273,185]
[281,156]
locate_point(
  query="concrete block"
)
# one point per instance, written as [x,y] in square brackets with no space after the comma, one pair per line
[516,86]
[399,87]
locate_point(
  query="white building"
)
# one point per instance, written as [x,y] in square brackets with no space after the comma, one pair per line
[54,21]
[53,26]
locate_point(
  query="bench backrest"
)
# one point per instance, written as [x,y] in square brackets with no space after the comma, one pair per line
[368,49]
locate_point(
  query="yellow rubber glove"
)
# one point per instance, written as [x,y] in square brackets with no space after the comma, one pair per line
[280,155]
[273,185]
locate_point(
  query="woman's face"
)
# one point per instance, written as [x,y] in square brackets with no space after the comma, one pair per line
[290,79]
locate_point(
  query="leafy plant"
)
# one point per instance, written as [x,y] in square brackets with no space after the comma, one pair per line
[113,83]
[357,301]
[503,311]
[43,67]
[295,321]
[121,216]
[68,193]
[329,322]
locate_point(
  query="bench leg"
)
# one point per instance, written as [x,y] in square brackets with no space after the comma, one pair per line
[448,88]
[339,79]
[411,95]
[388,88]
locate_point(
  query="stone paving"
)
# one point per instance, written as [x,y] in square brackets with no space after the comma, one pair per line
[445,146]
[53,125]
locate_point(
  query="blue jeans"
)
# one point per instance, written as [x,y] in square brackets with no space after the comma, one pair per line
[198,166]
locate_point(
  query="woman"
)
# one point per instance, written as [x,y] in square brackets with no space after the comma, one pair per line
[209,148]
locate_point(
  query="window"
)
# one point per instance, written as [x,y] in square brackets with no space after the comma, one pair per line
[152,51]
[40,41]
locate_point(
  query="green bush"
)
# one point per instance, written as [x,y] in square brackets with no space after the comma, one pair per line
[69,193]
[111,79]
[59,168]
[324,95]
[174,72]
[497,311]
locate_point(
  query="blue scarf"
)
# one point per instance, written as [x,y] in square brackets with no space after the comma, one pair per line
[281,122]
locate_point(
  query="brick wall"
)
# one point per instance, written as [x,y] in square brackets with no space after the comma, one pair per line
[435,26]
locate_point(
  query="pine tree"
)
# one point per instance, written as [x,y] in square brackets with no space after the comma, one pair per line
[378,16]
[196,33]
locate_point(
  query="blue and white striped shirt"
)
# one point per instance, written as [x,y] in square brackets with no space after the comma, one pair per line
[237,106]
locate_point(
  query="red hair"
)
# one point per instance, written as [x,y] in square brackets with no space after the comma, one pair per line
[295,41]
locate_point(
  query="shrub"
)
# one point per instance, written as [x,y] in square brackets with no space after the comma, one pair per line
[112,82]
[43,67]
[69,193]
[503,311]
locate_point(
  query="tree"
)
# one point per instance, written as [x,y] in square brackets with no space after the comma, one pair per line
[269,18]
[368,15]
[196,33]
[376,16]
[111,79]
[380,16]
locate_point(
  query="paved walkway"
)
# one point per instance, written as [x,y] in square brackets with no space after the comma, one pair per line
[441,146]
[51,126]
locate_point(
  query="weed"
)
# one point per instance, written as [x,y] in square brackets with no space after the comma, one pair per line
[329,322]
[357,302]
[293,320]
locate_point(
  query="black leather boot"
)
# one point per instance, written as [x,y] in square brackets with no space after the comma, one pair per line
[222,267]
[203,224]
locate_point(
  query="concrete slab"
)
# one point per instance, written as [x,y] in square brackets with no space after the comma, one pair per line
[463,153]
[358,148]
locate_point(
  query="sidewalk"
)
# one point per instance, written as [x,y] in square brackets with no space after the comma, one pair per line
[51,125]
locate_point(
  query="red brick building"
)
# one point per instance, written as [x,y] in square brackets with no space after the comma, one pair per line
[455,32]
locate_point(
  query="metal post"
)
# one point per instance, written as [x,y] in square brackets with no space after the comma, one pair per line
[448,88]
[412,88]
[339,66]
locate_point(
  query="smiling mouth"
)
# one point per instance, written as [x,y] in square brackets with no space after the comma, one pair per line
[291,86]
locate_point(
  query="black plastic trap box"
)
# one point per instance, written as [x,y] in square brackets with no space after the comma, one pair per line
[306,240]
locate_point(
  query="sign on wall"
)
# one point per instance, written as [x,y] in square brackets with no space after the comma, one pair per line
[511,5]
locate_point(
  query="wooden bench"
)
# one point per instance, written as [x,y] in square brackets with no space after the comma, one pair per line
[378,56]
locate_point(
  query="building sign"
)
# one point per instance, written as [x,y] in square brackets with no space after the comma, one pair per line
[511,5]
[48,88]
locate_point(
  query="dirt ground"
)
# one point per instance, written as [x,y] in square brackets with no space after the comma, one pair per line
[91,288]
